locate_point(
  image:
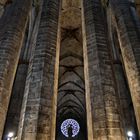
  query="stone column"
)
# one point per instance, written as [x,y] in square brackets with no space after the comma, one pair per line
[104,103]
[13,114]
[129,39]
[127,117]
[12,30]
[36,116]
[14,110]
[86,75]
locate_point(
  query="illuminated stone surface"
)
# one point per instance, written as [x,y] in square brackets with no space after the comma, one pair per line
[80,60]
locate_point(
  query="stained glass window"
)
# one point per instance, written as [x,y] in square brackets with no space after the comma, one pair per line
[70,128]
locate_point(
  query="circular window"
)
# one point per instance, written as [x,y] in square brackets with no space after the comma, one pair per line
[70,128]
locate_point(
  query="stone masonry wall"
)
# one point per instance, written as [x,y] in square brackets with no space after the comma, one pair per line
[13,115]
[122,88]
[105,107]
[11,37]
[129,39]
[37,104]
[14,110]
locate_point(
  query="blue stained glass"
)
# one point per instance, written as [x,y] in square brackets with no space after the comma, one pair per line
[70,123]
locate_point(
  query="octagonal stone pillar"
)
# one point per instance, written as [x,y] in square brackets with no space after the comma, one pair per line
[105,113]
[38,109]
[11,38]
[129,38]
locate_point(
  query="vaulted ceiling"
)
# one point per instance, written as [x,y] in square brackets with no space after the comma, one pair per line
[71,90]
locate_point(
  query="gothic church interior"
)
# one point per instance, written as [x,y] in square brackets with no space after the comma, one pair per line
[69,69]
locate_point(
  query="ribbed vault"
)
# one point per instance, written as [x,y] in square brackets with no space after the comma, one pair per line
[71,78]
[71,88]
